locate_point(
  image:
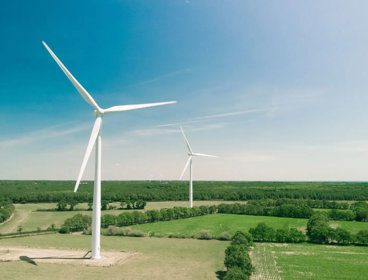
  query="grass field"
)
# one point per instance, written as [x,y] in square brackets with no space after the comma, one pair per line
[158,258]
[310,261]
[29,218]
[219,223]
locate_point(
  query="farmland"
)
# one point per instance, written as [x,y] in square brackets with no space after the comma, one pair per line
[310,261]
[231,223]
[160,257]
[27,216]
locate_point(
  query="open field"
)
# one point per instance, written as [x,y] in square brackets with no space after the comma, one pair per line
[29,218]
[219,223]
[311,261]
[156,258]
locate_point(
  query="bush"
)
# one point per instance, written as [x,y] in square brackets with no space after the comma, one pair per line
[87,231]
[362,237]
[343,236]
[205,234]
[237,256]
[64,229]
[225,236]
[262,232]
[242,238]
[108,220]
[318,219]
[78,222]
[235,273]
[113,230]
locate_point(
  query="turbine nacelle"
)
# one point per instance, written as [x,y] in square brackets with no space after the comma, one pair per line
[97,113]
[190,154]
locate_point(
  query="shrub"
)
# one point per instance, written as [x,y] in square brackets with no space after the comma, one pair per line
[225,236]
[262,232]
[362,237]
[205,234]
[242,238]
[113,230]
[108,220]
[237,256]
[235,273]
[87,231]
[78,222]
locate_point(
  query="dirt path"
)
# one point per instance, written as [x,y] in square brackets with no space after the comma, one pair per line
[7,220]
[264,262]
[20,215]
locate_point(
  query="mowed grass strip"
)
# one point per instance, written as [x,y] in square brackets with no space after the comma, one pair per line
[313,261]
[157,258]
[219,223]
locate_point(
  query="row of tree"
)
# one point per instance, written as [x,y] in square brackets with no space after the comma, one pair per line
[69,205]
[6,210]
[312,203]
[237,260]
[150,216]
[319,231]
[286,210]
[264,233]
[54,191]
[292,209]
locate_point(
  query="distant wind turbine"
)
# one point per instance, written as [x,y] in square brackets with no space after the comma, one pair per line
[95,138]
[189,162]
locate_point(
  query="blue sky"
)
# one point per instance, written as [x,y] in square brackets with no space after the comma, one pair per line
[278,89]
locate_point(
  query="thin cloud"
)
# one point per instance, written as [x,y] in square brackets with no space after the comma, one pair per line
[222,115]
[157,130]
[165,76]
[39,135]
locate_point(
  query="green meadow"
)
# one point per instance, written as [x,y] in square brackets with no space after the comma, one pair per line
[219,223]
[310,261]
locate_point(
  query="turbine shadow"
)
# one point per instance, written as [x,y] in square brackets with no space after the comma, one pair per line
[32,260]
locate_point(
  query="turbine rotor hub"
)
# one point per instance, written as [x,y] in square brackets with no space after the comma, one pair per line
[98,114]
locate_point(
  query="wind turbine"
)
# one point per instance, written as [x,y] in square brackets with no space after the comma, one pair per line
[189,162]
[95,139]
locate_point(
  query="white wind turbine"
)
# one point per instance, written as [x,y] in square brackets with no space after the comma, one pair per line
[189,162]
[96,139]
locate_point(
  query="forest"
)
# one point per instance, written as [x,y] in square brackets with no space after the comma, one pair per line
[54,191]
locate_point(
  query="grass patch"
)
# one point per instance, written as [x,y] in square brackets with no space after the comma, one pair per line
[231,223]
[157,258]
[311,261]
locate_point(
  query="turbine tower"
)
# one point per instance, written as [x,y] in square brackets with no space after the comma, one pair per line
[189,162]
[95,140]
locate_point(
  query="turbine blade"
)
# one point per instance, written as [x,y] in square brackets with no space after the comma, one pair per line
[186,141]
[204,155]
[185,168]
[122,108]
[92,140]
[76,84]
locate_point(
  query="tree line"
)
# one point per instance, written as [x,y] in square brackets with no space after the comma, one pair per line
[6,210]
[69,205]
[115,191]
[81,222]
[237,260]
[295,209]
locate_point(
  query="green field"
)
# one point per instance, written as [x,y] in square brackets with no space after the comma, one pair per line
[219,223]
[158,258]
[27,216]
[310,261]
